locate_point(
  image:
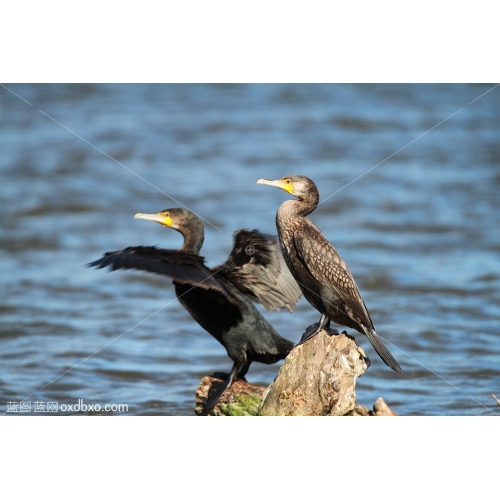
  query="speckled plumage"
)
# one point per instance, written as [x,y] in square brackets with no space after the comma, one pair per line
[322,275]
[220,298]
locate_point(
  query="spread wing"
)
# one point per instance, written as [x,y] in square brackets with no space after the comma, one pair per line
[325,264]
[256,268]
[183,267]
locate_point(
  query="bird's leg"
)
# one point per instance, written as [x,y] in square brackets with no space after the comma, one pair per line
[324,322]
[243,371]
[218,390]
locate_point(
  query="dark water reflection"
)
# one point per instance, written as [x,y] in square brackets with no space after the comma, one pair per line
[420,232]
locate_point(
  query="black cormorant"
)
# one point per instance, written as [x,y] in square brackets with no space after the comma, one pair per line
[220,298]
[322,275]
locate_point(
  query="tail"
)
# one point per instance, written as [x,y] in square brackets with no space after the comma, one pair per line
[281,348]
[285,346]
[381,350]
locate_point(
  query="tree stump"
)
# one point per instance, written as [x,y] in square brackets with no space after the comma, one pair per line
[241,399]
[317,378]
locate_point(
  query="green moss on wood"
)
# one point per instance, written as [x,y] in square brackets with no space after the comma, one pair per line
[242,406]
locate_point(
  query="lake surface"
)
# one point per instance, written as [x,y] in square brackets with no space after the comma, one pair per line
[409,177]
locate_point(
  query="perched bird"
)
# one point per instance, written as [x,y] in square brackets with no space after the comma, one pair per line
[322,275]
[220,298]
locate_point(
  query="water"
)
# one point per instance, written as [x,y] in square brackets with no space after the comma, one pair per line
[420,232]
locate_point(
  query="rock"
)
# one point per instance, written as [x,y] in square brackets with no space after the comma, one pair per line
[361,411]
[380,409]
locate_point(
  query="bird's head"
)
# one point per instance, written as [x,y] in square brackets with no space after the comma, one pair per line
[182,220]
[299,186]
[165,217]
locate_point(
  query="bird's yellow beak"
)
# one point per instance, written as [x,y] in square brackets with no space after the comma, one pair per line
[284,184]
[160,217]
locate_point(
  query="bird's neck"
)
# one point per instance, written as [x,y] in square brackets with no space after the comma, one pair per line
[295,208]
[193,241]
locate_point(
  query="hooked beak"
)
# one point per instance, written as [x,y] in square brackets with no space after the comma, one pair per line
[161,219]
[288,187]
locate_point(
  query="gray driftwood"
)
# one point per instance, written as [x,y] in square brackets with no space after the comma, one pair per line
[317,378]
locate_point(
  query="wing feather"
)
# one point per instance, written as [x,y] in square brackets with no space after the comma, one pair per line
[180,266]
[325,264]
[256,267]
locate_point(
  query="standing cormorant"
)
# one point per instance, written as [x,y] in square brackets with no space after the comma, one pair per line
[220,298]
[322,275]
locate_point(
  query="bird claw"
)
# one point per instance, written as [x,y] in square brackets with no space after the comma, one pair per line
[307,333]
[314,325]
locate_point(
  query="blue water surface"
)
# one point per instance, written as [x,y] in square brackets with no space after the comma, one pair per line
[409,177]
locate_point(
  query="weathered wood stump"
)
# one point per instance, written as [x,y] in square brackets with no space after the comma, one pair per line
[317,378]
[241,399]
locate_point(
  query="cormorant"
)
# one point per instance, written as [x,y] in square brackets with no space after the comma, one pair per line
[322,275]
[219,298]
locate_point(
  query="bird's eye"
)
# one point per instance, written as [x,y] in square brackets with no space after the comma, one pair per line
[167,214]
[288,181]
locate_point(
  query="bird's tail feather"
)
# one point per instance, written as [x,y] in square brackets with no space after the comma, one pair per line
[382,350]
